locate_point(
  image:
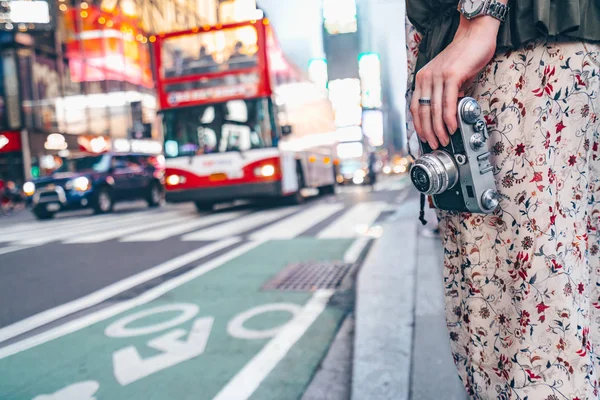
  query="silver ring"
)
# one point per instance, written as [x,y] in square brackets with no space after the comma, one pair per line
[425,101]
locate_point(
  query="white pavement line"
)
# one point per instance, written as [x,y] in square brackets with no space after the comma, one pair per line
[10,249]
[164,233]
[55,235]
[53,223]
[354,222]
[57,227]
[99,296]
[355,250]
[239,225]
[25,230]
[291,227]
[245,383]
[118,308]
[98,237]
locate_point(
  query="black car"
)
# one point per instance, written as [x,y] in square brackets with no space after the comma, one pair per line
[97,182]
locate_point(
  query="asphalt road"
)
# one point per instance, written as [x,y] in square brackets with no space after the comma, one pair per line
[169,303]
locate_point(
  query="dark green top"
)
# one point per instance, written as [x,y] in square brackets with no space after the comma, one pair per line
[437,21]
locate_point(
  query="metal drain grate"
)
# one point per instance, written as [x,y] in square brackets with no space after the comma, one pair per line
[309,276]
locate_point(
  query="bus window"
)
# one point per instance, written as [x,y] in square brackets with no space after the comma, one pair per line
[206,52]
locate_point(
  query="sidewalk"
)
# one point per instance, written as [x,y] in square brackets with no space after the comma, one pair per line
[401,348]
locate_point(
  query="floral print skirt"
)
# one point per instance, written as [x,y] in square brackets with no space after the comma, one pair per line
[522,286]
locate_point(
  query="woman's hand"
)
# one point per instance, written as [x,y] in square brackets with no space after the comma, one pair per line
[441,79]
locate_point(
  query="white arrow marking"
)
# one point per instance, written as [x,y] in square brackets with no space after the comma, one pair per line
[78,391]
[129,366]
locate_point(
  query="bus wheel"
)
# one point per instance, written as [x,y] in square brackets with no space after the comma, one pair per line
[296,198]
[202,206]
[328,189]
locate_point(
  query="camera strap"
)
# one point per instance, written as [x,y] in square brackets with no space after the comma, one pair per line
[422,211]
[422,206]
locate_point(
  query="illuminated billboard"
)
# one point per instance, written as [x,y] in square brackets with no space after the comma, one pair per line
[372,126]
[26,15]
[340,16]
[106,46]
[317,71]
[369,70]
[344,95]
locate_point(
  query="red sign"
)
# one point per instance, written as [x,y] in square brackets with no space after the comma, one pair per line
[10,142]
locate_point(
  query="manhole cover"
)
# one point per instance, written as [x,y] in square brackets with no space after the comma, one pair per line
[309,276]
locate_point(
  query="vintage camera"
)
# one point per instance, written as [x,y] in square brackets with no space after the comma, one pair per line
[459,176]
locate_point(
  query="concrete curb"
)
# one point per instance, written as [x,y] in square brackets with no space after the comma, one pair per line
[401,345]
[385,311]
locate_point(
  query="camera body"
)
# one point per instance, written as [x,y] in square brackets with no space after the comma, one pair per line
[459,177]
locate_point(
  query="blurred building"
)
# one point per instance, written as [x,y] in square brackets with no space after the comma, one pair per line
[75,70]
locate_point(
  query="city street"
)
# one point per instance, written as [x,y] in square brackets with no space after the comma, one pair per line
[240,303]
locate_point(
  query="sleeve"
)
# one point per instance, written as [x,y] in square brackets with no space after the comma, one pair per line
[413,40]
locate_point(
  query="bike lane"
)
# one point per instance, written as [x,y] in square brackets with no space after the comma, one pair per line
[215,336]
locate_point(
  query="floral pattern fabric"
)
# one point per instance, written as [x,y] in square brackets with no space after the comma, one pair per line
[522,285]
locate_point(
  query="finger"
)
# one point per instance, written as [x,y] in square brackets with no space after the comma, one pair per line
[450,107]
[414,110]
[437,106]
[425,85]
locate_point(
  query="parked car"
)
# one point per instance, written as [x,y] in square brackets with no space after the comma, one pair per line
[97,182]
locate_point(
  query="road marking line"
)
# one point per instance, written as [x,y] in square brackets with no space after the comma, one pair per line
[10,249]
[109,291]
[164,233]
[239,225]
[292,226]
[355,250]
[121,307]
[27,230]
[98,237]
[83,229]
[354,222]
[54,224]
[245,382]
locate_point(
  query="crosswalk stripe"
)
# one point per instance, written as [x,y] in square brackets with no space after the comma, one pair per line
[10,249]
[296,224]
[354,222]
[164,233]
[52,228]
[98,237]
[83,229]
[239,225]
[44,226]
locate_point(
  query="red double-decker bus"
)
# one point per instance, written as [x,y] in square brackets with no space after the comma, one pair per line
[239,120]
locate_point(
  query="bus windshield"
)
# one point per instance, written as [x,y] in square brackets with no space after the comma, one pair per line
[236,125]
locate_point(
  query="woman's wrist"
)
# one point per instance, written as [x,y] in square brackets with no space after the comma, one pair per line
[483,28]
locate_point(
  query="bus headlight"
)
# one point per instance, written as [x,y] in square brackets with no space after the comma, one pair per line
[29,188]
[265,171]
[81,184]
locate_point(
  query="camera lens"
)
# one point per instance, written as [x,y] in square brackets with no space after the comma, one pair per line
[434,173]
[420,178]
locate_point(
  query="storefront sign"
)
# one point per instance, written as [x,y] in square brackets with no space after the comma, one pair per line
[211,93]
[10,141]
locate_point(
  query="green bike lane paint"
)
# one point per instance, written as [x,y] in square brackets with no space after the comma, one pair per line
[216,335]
